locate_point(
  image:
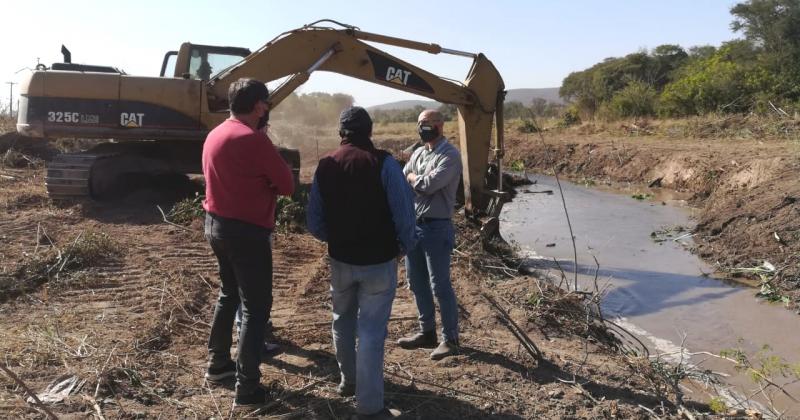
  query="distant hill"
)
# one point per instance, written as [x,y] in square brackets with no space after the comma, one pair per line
[404,105]
[526,95]
[520,95]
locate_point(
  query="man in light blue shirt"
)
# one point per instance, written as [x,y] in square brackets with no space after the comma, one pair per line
[434,172]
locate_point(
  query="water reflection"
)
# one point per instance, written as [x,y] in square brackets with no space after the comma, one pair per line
[638,292]
[657,287]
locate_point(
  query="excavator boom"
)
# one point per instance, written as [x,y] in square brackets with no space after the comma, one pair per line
[479,99]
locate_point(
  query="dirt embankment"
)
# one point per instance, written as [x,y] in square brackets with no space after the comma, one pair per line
[130,329]
[746,191]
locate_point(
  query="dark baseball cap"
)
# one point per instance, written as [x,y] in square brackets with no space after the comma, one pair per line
[355,120]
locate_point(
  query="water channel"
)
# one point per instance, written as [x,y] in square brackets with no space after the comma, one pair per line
[656,288]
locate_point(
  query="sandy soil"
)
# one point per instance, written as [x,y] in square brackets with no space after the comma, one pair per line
[133,326]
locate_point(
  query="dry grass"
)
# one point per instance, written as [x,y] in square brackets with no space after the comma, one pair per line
[407,131]
[7,124]
[395,129]
[111,370]
[13,158]
[712,126]
[734,127]
[59,266]
[549,306]
[70,145]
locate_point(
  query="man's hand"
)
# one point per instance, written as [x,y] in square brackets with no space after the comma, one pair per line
[411,178]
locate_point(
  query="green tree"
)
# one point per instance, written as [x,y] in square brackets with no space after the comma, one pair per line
[774,27]
[515,109]
[725,82]
[772,24]
[577,89]
[700,52]
[539,106]
[449,111]
[740,76]
[667,59]
[592,89]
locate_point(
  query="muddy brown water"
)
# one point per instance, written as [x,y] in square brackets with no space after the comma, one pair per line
[657,288]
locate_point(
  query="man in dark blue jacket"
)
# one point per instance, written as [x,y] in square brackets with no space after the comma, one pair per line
[361,205]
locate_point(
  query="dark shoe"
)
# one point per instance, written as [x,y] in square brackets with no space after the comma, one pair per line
[253,400]
[269,349]
[445,349]
[386,413]
[225,371]
[345,389]
[420,340]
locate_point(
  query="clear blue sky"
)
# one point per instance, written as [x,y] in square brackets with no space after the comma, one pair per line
[532,43]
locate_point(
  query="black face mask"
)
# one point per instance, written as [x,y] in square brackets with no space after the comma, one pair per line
[428,133]
[262,122]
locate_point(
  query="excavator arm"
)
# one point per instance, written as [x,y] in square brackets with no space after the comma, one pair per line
[479,99]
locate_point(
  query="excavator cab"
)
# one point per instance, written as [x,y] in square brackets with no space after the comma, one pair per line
[200,62]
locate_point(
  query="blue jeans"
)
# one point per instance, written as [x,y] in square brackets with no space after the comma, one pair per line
[362,303]
[428,271]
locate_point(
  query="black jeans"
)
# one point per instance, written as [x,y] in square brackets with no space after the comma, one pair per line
[244,255]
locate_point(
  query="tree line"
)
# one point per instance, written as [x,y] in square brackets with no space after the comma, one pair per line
[758,73]
[538,108]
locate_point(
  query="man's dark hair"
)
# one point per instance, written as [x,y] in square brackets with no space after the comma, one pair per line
[244,93]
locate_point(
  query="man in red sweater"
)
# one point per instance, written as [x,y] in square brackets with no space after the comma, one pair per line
[244,175]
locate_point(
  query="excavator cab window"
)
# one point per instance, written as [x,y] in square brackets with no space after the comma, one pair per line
[205,61]
[168,65]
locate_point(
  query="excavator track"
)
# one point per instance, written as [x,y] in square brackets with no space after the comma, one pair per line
[100,173]
[68,176]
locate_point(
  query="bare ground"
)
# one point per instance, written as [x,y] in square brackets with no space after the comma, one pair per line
[133,326]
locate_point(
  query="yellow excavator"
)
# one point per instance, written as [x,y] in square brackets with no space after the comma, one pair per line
[156,125]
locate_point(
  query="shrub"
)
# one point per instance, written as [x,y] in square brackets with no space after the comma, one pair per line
[290,212]
[637,99]
[725,82]
[186,210]
[570,117]
[528,126]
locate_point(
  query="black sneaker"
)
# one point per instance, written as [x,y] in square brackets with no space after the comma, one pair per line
[255,399]
[219,373]
[269,349]
[420,340]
